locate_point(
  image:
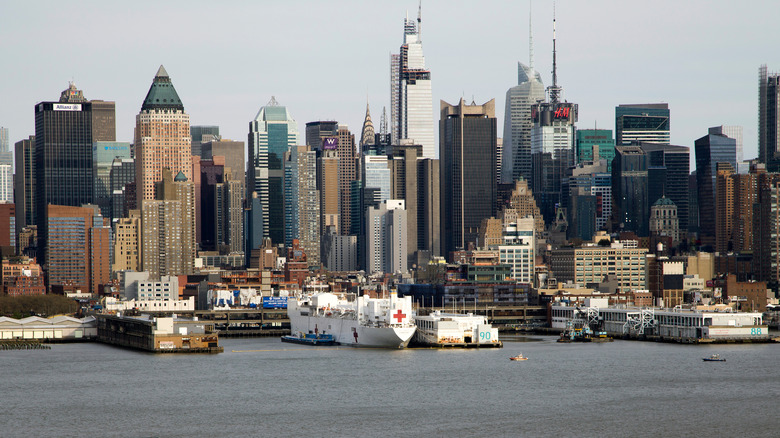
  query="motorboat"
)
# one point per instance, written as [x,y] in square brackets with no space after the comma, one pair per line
[713,358]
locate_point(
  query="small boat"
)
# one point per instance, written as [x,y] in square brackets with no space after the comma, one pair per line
[311,339]
[518,357]
[713,358]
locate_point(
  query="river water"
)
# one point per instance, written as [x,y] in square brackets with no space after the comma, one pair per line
[261,387]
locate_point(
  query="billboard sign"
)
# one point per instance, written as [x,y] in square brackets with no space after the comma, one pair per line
[66,107]
[330,143]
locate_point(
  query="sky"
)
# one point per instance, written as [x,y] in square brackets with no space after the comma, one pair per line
[324,60]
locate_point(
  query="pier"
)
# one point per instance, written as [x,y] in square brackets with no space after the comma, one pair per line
[158,334]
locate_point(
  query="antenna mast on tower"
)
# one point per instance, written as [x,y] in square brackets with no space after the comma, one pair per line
[554,89]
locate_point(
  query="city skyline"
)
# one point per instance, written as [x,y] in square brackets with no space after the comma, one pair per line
[707,74]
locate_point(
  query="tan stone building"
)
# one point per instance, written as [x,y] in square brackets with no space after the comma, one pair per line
[127,243]
[162,137]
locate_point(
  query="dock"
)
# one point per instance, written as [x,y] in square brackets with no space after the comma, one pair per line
[158,334]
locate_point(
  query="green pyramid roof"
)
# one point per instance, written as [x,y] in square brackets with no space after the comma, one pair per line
[161,94]
[180,177]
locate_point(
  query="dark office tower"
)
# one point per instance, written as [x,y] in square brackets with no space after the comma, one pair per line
[629,190]
[769,119]
[467,147]
[202,134]
[693,203]
[121,176]
[711,150]
[64,133]
[271,134]
[367,137]
[668,168]
[317,132]
[212,173]
[647,122]
[24,183]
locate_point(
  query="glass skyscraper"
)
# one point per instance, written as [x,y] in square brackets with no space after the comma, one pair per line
[517,124]
[711,150]
[410,92]
[271,134]
[589,140]
[768,118]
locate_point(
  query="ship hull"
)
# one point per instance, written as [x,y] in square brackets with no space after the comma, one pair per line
[348,331]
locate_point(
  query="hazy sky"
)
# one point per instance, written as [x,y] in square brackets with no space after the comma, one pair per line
[322,59]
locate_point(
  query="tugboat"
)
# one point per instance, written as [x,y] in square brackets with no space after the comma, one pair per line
[713,358]
[518,357]
[310,339]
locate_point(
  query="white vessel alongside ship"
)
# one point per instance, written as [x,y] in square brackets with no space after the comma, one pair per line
[362,322]
[455,330]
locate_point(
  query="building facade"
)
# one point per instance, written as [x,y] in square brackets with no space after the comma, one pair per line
[467,138]
[647,122]
[516,160]
[162,137]
[410,92]
[271,134]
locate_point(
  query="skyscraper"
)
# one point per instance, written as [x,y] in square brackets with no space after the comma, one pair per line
[668,170]
[769,119]
[202,134]
[103,155]
[552,144]
[629,190]
[412,116]
[367,136]
[168,227]
[302,202]
[711,150]
[6,168]
[271,134]
[78,253]
[467,138]
[517,119]
[64,133]
[647,122]
[594,145]
[386,238]
[162,137]
[734,132]
[24,183]
[347,173]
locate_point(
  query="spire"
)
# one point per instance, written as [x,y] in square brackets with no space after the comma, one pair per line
[554,89]
[419,21]
[161,73]
[367,136]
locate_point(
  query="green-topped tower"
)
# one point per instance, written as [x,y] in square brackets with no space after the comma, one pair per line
[162,136]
